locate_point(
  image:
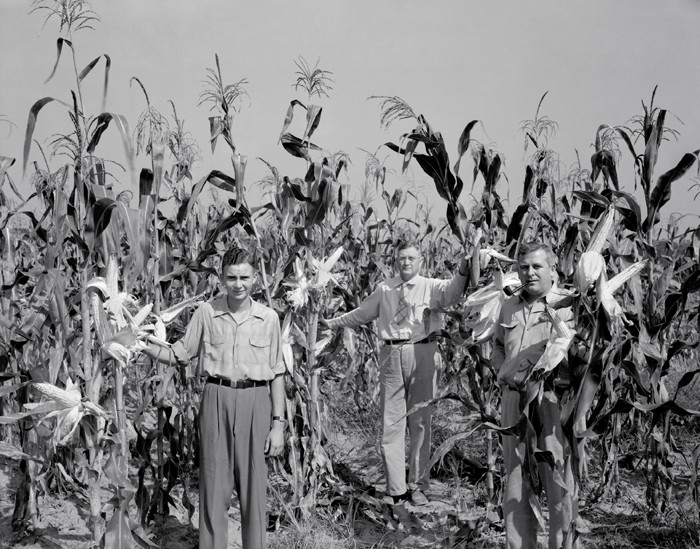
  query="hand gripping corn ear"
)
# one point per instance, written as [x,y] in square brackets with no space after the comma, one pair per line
[483,307]
[558,345]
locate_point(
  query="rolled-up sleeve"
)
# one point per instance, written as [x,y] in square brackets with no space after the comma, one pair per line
[447,292]
[366,312]
[276,357]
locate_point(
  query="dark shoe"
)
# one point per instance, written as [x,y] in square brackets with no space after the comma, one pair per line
[419,498]
[388,499]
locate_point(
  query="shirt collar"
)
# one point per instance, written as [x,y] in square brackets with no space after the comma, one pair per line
[397,281]
[220,306]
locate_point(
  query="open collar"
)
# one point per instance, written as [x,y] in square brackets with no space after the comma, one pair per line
[220,307]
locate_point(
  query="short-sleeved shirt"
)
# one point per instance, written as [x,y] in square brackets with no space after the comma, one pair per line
[247,350]
[522,332]
[426,298]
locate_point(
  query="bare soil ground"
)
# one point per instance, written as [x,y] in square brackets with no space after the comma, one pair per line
[620,521]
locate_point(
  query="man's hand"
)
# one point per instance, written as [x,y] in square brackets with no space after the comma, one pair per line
[274,443]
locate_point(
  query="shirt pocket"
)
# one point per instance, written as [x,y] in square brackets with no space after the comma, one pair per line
[510,338]
[256,352]
[420,311]
[215,348]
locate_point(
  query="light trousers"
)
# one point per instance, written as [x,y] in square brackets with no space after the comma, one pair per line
[234,424]
[520,521]
[407,376]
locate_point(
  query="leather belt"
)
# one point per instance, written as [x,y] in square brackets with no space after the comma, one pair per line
[408,341]
[241,384]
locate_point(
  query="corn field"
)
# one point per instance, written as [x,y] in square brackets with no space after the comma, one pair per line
[101,266]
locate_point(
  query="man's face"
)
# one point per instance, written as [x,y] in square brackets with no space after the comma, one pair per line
[238,282]
[408,262]
[536,273]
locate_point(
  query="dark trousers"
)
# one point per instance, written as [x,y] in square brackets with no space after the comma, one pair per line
[234,424]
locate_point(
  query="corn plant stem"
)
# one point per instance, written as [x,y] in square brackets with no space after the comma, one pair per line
[157,306]
[261,260]
[92,389]
[313,404]
[33,444]
[77,76]
[118,372]
[293,453]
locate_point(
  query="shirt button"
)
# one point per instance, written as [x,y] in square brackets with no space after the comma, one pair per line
[235,365]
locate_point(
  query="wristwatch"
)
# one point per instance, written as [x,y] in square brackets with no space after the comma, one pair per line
[280,419]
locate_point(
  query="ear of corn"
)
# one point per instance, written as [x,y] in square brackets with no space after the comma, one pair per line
[562,329]
[103,329]
[602,232]
[112,276]
[61,396]
[606,299]
[483,307]
[624,276]
[590,266]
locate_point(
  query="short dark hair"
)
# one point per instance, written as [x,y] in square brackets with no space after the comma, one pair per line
[530,246]
[237,256]
[404,244]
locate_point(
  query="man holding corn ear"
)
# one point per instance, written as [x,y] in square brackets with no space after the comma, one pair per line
[407,308]
[525,326]
[238,342]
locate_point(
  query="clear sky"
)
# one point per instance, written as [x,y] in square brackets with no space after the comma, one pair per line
[453,61]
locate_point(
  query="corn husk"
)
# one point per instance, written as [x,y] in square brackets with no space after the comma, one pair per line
[558,345]
[590,265]
[483,307]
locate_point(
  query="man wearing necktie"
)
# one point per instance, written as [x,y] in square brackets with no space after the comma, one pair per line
[408,310]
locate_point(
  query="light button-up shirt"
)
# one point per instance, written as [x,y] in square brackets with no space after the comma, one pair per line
[250,349]
[426,298]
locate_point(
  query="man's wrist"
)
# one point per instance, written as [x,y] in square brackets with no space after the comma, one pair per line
[280,420]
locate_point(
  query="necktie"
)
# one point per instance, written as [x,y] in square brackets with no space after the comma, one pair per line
[403,309]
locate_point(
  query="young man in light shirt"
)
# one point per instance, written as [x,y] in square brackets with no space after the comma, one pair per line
[239,345]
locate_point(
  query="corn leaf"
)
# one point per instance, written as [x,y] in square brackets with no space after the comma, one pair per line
[102,214]
[662,191]
[90,66]
[118,533]
[463,143]
[101,124]
[288,118]
[59,49]
[5,163]
[31,123]
[296,147]
[654,134]
[313,119]
[135,260]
